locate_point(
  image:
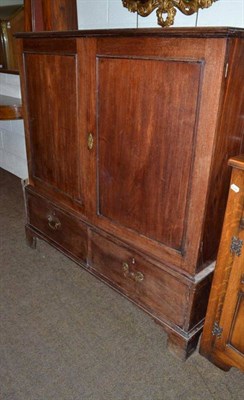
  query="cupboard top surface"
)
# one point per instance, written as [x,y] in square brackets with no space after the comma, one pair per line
[197,32]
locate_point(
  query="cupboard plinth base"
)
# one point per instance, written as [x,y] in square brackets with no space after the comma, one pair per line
[182,347]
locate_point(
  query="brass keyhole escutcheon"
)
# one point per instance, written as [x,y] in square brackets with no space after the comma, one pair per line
[90,141]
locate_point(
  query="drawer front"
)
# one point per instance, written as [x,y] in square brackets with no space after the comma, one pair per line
[61,228]
[149,286]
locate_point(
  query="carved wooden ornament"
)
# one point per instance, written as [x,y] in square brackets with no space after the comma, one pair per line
[168,7]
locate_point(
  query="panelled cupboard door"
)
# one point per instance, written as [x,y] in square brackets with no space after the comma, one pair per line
[152,141]
[51,80]
[230,343]
[141,185]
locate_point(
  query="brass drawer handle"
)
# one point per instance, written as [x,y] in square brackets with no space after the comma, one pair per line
[135,276]
[53,223]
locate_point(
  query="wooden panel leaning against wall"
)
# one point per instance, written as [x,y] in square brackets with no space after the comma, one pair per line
[132,153]
[223,335]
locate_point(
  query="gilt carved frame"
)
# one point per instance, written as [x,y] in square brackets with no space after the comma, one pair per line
[168,7]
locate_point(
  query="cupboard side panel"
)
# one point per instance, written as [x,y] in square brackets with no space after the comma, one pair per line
[229,143]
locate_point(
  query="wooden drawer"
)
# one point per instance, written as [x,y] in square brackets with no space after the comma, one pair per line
[160,293]
[63,229]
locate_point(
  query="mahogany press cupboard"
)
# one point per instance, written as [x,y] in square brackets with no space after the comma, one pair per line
[128,135]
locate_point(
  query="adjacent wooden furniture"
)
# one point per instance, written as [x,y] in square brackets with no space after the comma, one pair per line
[10,108]
[128,133]
[49,15]
[11,21]
[223,335]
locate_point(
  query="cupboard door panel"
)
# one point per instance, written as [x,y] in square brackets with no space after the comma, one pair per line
[51,81]
[147,121]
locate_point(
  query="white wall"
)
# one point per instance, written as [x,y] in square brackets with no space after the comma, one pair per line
[102,14]
[223,13]
[111,14]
